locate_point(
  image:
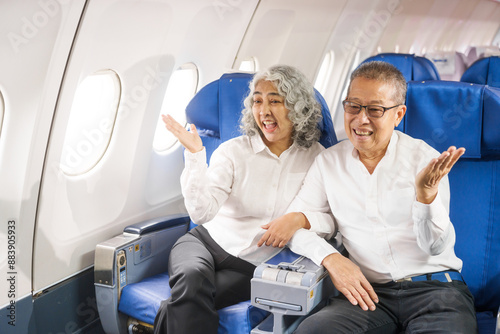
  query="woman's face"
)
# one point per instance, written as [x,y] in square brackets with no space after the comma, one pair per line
[271,117]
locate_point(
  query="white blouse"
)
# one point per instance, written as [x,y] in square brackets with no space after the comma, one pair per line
[245,187]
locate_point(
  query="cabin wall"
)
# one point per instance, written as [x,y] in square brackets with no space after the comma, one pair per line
[36,44]
[141,43]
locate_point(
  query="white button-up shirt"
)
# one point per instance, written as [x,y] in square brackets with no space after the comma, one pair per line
[387,233]
[245,187]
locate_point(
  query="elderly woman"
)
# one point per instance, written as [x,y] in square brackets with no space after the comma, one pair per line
[250,181]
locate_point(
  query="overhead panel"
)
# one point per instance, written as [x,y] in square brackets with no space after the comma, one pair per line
[290,32]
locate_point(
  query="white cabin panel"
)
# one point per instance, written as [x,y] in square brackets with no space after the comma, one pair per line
[38,37]
[143,42]
[290,32]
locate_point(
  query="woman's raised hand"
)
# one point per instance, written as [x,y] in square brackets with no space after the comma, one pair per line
[189,139]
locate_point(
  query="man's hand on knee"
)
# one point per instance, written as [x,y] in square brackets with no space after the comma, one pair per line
[350,281]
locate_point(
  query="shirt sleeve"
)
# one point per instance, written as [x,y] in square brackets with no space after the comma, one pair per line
[309,244]
[312,201]
[205,188]
[432,224]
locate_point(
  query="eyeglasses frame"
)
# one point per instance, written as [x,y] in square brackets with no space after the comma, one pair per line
[366,108]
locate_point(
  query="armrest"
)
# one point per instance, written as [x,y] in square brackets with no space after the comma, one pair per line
[157,224]
[288,285]
[141,251]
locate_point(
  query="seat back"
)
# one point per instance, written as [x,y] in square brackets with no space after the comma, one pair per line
[454,113]
[413,67]
[216,111]
[450,65]
[484,71]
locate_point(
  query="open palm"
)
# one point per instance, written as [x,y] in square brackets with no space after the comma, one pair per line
[427,180]
[189,139]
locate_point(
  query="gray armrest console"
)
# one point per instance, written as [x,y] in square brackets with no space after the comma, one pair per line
[141,251]
[289,286]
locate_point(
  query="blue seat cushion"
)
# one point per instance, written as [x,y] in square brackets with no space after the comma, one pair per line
[142,300]
[240,318]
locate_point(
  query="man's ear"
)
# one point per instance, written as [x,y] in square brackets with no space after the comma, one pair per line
[400,112]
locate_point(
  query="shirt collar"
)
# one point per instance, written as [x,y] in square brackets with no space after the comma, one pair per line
[390,148]
[259,146]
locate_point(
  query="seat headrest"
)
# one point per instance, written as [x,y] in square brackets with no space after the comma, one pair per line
[450,65]
[412,67]
[216,109]
[446,113]
[484,71]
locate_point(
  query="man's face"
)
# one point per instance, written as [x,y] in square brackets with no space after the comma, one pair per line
[371,136]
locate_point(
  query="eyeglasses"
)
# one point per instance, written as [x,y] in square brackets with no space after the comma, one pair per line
[372,111]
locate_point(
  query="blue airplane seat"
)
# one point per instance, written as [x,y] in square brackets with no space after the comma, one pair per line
[215,110]
[413,67]
[445,113]
[484,71]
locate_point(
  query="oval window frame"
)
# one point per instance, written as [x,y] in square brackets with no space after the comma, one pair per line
[163,140]
[102,127]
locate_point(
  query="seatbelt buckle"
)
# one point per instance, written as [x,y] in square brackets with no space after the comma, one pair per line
[404,279]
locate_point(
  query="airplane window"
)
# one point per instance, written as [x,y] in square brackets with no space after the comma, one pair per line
[249,65]
[181,88]
[325,70]
[91,122]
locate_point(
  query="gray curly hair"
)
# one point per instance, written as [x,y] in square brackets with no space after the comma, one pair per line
[300,100]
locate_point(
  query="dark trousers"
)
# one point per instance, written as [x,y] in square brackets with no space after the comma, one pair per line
[406,307]
[203,278]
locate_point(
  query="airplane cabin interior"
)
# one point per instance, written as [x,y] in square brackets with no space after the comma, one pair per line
[90,193]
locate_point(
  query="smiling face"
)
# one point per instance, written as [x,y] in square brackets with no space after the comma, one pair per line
[271,117]
[371,136]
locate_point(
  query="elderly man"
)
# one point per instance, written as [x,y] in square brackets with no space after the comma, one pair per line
[389,194]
